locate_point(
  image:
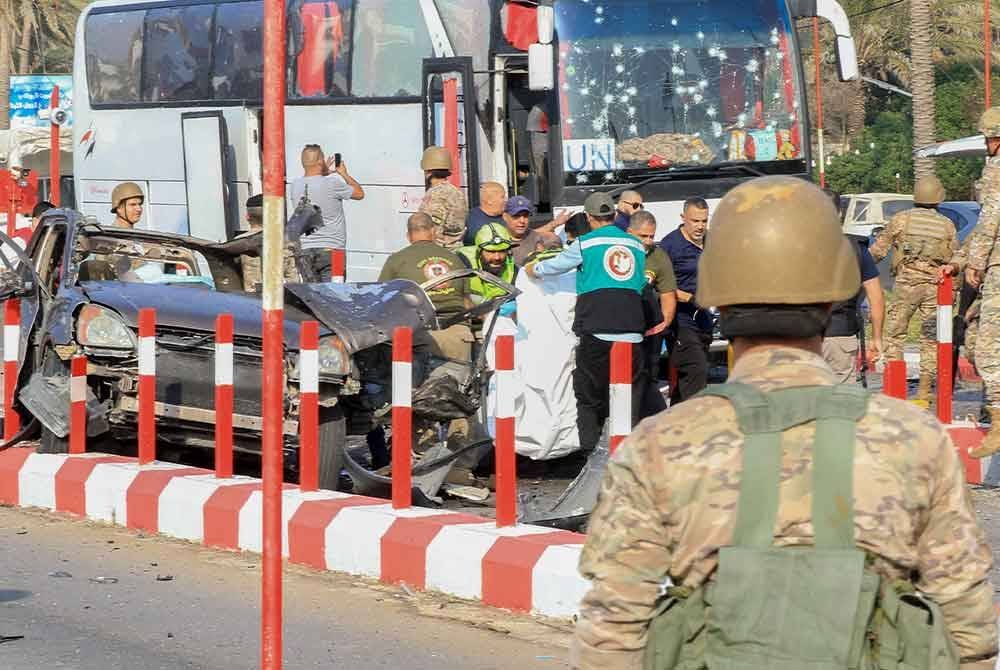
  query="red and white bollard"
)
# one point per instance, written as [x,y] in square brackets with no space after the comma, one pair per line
[506,462]
[944,350]
[11,353]
[147,385]
[309,406]
[402,418]
[894,379]
[224,396]
[338,266]
[78,405]
[620,400]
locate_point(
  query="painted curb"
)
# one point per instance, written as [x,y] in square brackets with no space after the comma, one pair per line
[522,568]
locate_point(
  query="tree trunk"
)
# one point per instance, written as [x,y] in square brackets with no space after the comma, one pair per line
[5,58]
[24,50]
[857,113]
[922,82]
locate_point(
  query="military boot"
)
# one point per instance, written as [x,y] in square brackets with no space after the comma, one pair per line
[991,444]
[923,397]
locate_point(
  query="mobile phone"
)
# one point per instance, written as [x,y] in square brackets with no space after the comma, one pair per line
[336,160]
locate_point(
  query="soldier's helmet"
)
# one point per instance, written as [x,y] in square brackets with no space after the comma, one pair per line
[989,122]
[125,191]
[435,158]
[776,241]
[928,191]
[494,237]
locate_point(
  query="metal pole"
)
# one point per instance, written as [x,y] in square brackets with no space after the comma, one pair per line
[273,304]
[988,49]
[55,183]
[819,103]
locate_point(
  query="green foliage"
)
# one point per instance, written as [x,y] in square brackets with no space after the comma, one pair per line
[958,104]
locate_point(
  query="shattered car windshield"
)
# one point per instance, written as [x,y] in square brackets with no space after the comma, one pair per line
[652,84]
[144,263]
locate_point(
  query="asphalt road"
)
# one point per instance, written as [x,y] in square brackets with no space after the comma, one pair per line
[176,605]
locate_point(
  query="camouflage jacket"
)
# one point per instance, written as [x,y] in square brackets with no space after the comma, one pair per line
[984,237]
[446,205]
[899,231]
[668,503]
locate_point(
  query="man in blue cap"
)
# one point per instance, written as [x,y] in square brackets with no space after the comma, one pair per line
[517,215]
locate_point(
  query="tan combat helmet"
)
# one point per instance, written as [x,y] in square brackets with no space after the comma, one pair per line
[776,241]
[989,122]
[928,191]
[124,191]
[435,158]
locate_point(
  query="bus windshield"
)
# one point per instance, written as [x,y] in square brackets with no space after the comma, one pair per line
[662,83]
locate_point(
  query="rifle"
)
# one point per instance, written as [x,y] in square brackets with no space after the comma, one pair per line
[863,368]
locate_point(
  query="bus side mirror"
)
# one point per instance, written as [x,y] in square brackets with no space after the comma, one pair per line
[847,57]
[541,72]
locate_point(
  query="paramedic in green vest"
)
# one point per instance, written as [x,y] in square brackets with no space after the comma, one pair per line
[611,275]
[782,519]
[491,252]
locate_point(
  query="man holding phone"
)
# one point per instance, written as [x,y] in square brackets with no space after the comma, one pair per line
[326,184]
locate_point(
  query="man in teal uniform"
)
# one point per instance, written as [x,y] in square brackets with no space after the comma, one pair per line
[609,284]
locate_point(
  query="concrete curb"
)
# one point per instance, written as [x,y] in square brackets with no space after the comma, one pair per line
[968,435]
[523,568]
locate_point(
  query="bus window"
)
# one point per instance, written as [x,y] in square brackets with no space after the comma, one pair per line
[390,44]
[114,53]
[178,53]
[238,72]
[320,36]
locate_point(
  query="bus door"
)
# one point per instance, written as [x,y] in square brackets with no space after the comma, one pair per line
[203,135]
[449,118]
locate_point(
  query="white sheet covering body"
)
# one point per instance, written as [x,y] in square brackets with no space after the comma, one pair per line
[544,359]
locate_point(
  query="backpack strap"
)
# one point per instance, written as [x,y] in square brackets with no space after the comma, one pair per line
[762,418]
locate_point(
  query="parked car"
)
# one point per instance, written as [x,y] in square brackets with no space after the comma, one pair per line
[866,212]
[82,284]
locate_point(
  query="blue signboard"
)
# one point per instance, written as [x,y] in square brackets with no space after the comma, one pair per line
[31,93]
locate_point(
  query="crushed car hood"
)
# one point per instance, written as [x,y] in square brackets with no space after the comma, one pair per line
[364,315]
[361,315]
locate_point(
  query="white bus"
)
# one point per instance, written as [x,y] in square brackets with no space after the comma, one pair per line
[557,99]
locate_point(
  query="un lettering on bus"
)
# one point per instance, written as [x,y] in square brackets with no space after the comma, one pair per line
[589,155]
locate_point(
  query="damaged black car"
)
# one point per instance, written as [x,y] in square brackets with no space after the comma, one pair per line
[81,286]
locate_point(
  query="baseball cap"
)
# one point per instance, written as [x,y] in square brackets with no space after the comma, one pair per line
[599,204]
[517,204]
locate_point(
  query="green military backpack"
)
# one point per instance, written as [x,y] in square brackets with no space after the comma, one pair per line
[819,607]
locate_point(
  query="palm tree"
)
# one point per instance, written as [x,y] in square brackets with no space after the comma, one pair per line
[922,81]
[27,27]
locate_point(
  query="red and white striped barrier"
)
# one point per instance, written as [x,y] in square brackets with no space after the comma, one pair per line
[620,400]
[147,386]
[309,406]
[944,351]
[78,405]
[506,462]
[11,353]
[338,266]
[523,568]
[402,418]
[894,379]
[224,396]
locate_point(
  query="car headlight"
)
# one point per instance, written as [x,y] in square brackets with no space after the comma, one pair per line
[333,358]
[100,327]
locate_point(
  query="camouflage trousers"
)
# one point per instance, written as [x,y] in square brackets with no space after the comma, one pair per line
[987,341]
[909,299]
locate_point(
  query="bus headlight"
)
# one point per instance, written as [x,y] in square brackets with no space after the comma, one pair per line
[100,327]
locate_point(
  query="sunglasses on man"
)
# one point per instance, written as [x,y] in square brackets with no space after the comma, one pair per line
[635,205]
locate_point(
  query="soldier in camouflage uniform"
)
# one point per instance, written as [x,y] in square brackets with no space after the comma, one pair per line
[668,507]
[984,270]
[443,202]
[922,240]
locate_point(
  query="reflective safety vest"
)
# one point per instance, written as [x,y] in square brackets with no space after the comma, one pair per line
[609,283]
[477,287]
[788,608]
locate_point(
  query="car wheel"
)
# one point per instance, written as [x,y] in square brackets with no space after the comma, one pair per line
[49,442]
[332,438]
